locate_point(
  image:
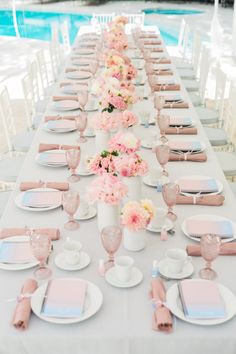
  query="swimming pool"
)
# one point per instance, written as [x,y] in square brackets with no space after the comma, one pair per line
[37,25]
[162,11]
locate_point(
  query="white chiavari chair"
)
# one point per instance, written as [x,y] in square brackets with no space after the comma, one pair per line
[20,142]
[135,18]
[65,36]
[46,84]
[4,196]
[103,19]
[180,60]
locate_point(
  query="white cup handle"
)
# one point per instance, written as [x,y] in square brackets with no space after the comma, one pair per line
[188,259]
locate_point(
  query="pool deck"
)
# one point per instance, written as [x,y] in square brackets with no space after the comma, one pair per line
[15,53]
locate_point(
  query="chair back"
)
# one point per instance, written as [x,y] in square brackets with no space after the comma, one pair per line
[103,18]
[7,121]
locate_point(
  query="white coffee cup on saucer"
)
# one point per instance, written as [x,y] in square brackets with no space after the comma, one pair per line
[72,251]
[176,259]
[145,117]
[159,218]
[123,268]
[83,209]
[155,174]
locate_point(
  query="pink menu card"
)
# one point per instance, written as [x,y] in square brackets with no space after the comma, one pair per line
[197,228]
[208,185]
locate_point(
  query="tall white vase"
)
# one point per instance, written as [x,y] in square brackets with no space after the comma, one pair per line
[134,240]
[101,140]
[134,185]
[107,215]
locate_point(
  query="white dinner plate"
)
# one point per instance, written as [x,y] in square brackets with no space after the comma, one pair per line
[19,198]
[60,262]
[208,217]
[175,306]
[40,158]
[8,266]
[73,88]
[93,302]
[201,178]
[81,62]
[66,105]
[136,278]
[59,130]
[162,180]
[81,51]
[168,224]
[165,272]
[78,75]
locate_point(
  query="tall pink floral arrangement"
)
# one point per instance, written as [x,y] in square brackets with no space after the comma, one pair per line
[136,216]
[104,163]
[124,142]
[105,121]
[128,119]
[131,165]
[108,189]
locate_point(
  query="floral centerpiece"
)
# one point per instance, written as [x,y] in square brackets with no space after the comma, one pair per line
[128,119]
[117,99]
[108,191]
[103,163]
[121,20]
[135,217]
[124,142]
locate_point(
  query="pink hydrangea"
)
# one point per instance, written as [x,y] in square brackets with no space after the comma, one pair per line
[131,165]
[135,216]
[104,163]
[118,102]
[108,189]
[105,121]
[128,119]
[124,142]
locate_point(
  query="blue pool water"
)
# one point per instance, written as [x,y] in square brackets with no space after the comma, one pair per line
[162,11]
[37,25]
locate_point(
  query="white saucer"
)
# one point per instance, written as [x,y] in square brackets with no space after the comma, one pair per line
[92,106]
[147,144]
[61,263]
[160,181]
[85,173]
[136,278]
[58,131]
[186,272]
[168,224]
[91,214]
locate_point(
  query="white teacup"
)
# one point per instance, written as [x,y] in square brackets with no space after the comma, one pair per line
[176,260]
[159,218]
[83,208]
[145,117]
[155,174]
[123,268]
[72,250]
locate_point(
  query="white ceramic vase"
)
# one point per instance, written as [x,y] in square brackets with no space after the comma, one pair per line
[107,215]
[134,185]
[134,240]
[101,140]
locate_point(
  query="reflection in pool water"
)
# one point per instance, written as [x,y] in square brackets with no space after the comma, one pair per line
[37,25]
[163,11]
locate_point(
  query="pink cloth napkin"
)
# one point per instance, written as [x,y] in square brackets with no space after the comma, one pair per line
[159,60]
[181,130]
[61,186]
[166,87]
[160,72]
[23,308]
[176,105]
[48,118]
[54,234]
[152,42]
[211,200]
[156,49]
[69,70]
[162,319]
[65,98]
[226,249]
[67,83]
[201,157]
[46,147]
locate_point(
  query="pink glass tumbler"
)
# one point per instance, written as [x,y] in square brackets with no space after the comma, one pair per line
[70,203]
[162,154]
[170,193]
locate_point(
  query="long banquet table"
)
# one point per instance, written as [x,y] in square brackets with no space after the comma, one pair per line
[123,325]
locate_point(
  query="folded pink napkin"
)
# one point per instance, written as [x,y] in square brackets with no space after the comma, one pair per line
[152,42]
[181,130]
[181,104]
[23,308]
[149,36]
[62,186]
[69,70]
[160,60]
[160,72]
[226,249]
[46,147]
[65,98]
[67,83]
[162,319]
[156,49]
[54,234]
[49,118]
[166,87]
[201,157]
[211,200]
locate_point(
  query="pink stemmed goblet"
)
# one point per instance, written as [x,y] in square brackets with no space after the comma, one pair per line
[210,248]
[70,203]
[41,248]
[73,160]
[81,123]
[111,237]
[83,99]
[163,122]
[162,155]
[170,193]
[159,102]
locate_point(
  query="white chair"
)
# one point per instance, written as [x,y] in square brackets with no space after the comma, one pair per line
[4,196]
[227,159]
[103,19]
[15,142]
[233,187]
[182,61]
[46,84]
[56,54]
[34,118]
[65,37]
[135,19]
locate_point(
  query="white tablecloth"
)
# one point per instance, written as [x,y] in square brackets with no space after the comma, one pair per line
[124,323]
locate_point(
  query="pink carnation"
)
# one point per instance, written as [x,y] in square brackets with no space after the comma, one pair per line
[108,189]
[128,119]
[134,216]
[105,121]
[118,102]
[131,165]
[124,142]
[103,163]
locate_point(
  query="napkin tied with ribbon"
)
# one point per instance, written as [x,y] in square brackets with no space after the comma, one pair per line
[226,249]
[6,232]
[61,186]
[46,147]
